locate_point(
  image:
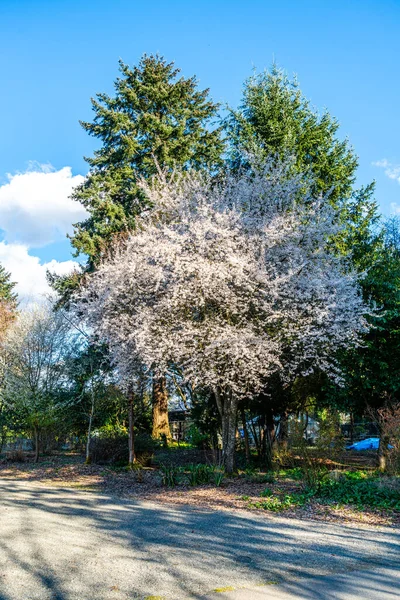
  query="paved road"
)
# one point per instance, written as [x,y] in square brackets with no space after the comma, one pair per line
[63,544]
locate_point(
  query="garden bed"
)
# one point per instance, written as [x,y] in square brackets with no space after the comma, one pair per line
[282,493]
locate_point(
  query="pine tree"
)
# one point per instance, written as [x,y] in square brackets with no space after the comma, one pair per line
[275,118]
[153,118]
[8,300]
[6,288]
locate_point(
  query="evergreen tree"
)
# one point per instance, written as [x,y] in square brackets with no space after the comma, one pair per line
[275,118]
[155,117]
[6,288]
[8,300]
[372,371]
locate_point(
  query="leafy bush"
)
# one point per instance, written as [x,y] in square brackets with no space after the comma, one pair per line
[169,475]
[294,473]
[199,474]
[219,476]
[196,437]
[388,421]
[110,446]
[16,456]
[257,477]
[360,488]
[277,504]
[361,492]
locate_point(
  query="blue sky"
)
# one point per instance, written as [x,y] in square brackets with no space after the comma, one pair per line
[55,55]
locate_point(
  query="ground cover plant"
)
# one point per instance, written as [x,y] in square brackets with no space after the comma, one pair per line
[347,494]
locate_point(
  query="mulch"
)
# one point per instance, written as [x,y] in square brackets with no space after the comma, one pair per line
[237,493]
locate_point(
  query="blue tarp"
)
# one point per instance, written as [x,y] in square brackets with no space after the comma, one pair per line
[368,444]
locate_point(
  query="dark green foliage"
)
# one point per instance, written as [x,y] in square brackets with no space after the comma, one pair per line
[255,476]
[361,492]
[279,503]
[169,475]
[372,371]
[206,419]
[6,288]
[365,490]
[276,119]
[154,116]
[219,476]
[199,474]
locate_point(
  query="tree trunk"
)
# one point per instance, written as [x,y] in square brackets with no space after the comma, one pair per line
[268,439]
[3,438]
[382,452]
[246,435]
[89,439]
[160,410]
[36,431]
[351,427]
[132,457]
[227,406]
[284,431]
[91,416]
[257,440]
[89,433]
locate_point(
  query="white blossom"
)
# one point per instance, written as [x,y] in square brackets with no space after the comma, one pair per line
[233,281]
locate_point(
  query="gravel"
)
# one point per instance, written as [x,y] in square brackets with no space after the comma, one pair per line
[65,544]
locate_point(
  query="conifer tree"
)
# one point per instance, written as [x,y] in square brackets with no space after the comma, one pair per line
[275,118]
[154,117]
[6,287]
[8,300]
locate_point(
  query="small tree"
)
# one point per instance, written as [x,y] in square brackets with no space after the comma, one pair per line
[387,419]
[233,282]
[34,350]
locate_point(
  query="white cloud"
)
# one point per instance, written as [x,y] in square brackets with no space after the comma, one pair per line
[27,271]
[392,171]
[35,208]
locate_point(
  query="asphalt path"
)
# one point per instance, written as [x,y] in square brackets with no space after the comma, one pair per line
[65,544]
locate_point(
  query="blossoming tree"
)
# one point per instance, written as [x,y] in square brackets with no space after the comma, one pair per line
[233,281]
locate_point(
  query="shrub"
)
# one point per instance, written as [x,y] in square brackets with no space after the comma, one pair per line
[295,473]
[16,456]
[199,474]
[276,504]
[388,420]
[257,477]
[219,475]
[111,447]
[361,492]
[169,475]
[196,437]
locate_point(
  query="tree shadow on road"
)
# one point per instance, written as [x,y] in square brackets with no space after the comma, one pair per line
[61,544]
